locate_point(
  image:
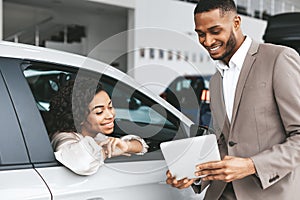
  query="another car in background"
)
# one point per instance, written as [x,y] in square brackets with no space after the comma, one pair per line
[190,95]
[284,29]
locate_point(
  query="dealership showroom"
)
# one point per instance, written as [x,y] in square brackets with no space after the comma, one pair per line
[114,100]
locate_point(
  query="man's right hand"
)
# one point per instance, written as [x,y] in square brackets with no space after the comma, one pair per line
[180,184]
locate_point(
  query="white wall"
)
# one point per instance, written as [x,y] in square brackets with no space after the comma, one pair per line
[99,26]
[157,27]
[253,27]
[169,25]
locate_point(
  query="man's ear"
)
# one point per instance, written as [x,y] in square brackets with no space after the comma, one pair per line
[236,22]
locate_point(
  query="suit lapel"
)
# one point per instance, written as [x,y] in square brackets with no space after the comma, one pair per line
[249,60]
[221,114]
[226,126]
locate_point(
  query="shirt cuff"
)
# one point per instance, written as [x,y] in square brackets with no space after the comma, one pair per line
[93,148]
[197,182]
[135,137]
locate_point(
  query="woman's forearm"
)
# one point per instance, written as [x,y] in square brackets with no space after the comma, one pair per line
[134,146]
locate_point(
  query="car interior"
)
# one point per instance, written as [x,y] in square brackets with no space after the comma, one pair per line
[136,113]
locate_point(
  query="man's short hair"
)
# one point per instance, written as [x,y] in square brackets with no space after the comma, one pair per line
[208,5]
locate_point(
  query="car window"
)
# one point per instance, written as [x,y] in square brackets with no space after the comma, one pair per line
[13,153]
[45,85]
[132,106]
[136,113]
[183,84]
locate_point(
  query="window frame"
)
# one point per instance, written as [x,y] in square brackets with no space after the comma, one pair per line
[156,155]
[30,121]
[13,152]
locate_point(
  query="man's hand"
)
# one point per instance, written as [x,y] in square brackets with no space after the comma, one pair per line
[180,184]
[229,169]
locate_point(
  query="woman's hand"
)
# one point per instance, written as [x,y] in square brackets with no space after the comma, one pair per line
[115,147]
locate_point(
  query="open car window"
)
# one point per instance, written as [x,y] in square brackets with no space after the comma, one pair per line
[136,113]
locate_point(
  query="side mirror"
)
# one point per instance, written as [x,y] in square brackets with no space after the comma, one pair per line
[198,130]
[133,104]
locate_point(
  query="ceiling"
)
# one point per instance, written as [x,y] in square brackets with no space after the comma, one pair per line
[104,8]
[87,6]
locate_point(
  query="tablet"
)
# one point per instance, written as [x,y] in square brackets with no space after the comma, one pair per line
[183,155]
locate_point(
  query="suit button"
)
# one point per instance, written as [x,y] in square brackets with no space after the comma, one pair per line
[232,143]
[273,179]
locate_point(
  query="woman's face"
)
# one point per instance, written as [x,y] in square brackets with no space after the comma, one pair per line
[101,116]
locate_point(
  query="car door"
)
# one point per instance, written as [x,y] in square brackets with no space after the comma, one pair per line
[135,177]
[18,178]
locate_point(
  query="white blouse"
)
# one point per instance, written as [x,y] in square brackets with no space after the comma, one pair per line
[82,154]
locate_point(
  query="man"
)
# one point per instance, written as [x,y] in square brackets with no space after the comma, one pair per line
[255,103]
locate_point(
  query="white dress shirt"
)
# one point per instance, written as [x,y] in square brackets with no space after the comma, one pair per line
[231,74]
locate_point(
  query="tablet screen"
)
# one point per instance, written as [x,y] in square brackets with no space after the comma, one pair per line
[183,155]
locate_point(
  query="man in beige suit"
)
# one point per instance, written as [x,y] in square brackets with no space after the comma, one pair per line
[255,103]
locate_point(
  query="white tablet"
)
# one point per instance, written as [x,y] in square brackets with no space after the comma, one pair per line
[183,155]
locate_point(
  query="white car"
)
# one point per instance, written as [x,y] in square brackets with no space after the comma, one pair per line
[29,77]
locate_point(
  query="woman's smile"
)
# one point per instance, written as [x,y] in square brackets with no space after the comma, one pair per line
[109,124]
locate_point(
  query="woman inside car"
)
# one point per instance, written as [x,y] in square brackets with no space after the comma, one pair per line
[84,117]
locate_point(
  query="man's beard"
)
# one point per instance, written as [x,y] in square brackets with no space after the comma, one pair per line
[231,43]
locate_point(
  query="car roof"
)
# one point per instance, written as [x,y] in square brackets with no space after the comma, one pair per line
[193,76]
[42,54]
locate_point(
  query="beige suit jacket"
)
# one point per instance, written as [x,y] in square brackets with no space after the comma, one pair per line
[265,124]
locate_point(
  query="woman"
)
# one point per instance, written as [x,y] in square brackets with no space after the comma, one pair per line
[84,116]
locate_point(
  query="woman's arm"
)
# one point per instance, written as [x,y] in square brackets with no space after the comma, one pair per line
[69,147]
[124,146]
[136,144]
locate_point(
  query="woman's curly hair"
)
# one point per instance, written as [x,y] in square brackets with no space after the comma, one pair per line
[69,108]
